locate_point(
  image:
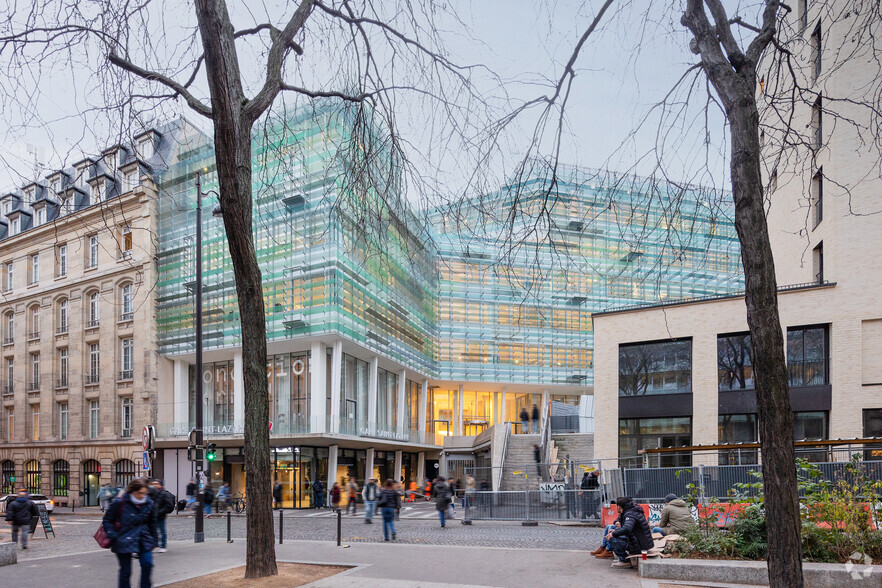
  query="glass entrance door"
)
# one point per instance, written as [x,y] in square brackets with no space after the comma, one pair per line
[91,482]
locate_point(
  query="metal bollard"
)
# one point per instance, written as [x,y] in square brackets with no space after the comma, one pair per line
[528,522]
[281,526]
[339,527]
[229,527]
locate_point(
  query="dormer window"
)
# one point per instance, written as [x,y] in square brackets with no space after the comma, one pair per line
[98,191]
[132,180]
[56,187]
[145,147]
[82,174]
[30,195]
[7,206]
[15,226]
[111,161]
[40,217]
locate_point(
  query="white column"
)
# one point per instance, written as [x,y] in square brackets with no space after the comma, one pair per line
[238,393]
[332,471]
[495,418]
[397,466]
[502,407]
[421,468]
[586,413]
[459,428]
[336,372]
[401,418]
[317,391]
[181,410]
[424,399]
[369,465]
[372,394]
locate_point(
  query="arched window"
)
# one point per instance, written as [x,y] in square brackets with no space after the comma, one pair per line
[63,315]
[124,472]
[34,322]
[33,479]
[7,483]
[60,477]
[8,327]
[127,297]
[94,309]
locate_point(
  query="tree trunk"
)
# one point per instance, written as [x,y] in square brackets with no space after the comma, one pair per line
[232,143]
[767,348]
[733,74]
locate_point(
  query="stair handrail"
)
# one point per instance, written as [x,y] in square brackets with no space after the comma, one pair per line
[545,434]
[501,469]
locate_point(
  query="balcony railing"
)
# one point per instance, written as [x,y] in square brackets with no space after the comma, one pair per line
[7,388]
[8,340]
[90,379]
[809,373]
[33,386]
[61,330]
[126,374]
[33,335]
[61,382]
[299,425]
[126,316]
[92,324]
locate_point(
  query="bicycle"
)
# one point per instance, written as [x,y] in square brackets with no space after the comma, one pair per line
[238,504]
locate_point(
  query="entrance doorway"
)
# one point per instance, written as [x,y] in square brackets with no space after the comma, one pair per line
[91,482]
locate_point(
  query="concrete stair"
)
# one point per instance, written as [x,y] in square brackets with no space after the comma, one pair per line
[519,457]
[579,446]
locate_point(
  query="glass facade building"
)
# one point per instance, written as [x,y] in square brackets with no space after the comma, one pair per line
[389,328]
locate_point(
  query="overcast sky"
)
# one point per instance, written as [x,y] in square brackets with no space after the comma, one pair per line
[624,69]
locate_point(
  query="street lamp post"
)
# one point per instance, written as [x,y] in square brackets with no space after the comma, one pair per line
[199,533]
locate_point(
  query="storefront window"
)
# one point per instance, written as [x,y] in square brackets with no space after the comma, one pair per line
[387,400]
[353,395]
[477,411]
[653,433]
[737,428]
[513,405]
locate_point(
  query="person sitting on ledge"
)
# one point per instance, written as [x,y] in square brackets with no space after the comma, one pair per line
[632,536]
[676,517]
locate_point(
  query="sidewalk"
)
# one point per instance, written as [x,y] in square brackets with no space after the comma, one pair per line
[373,565]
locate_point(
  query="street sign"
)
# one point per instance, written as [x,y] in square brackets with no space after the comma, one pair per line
[147,437]
[146,466]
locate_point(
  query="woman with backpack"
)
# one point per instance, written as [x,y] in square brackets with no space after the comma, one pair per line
[443,498]
[130,525]
[388,503]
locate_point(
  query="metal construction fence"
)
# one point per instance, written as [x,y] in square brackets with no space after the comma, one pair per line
[551,503]
[528,477]
[711,482]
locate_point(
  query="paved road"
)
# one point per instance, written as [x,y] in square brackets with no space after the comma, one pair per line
[419,526]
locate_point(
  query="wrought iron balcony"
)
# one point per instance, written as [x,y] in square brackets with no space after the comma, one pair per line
[61,330]
[90,379]
[33,386]
[61,382]
[126,374]
[92,324]
[126,316]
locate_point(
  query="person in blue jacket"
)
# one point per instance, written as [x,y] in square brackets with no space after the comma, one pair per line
[131,525]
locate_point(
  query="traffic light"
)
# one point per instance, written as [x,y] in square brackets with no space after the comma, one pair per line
[211,452]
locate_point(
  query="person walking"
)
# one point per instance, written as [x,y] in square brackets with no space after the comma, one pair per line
[192,489]
[223,497]
[370,493]
[207,500]
[318,490]
[535,417]
[352,496]
[469,491]
[18,514]
[388,502]
[105,495]
[277,496]
[537,455]
[164,503]
[130,524]
[335,496]
[442,499]
[525,420]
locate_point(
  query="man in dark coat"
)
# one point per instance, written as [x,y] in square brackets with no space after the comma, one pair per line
[19,513]
[164,503]
[633,536]
[589,487]
[535,417]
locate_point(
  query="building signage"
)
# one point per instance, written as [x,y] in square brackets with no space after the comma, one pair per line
[381,434]
[209,430]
